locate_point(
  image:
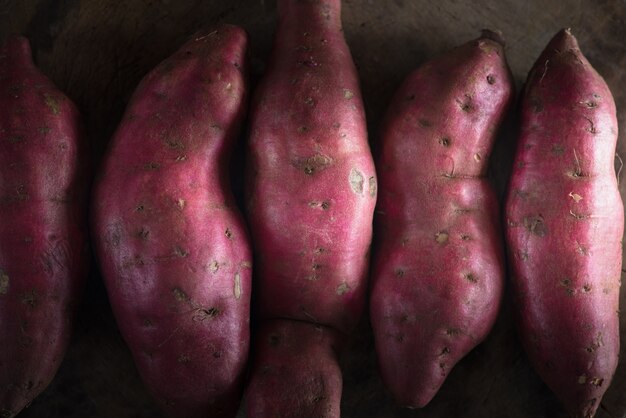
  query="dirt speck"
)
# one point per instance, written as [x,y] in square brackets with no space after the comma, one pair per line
[348,94]
[372,186]
[180,295]
[441,237]
[54,103]
[343,288]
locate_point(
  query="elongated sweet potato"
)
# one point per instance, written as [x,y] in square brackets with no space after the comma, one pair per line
[438,268]
[172,246]
[43,237]
[311,183]
[565,221]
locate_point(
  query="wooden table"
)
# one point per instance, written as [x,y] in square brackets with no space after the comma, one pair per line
[97,51]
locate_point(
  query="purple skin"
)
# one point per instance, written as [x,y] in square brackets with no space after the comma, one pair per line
[296,372]
[565,221]
[438,268]
[311,194]
[172,246]
[312,184]
[43,248]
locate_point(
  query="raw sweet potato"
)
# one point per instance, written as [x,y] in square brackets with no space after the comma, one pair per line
[438,268]
[172,246]
[565,221]
[311,184]
[295,370]
[43,237]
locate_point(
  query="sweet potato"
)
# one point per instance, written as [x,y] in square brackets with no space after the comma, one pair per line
[565,221]
[295,370]
[172,246]
[311,182]
[43,236]
[438,268]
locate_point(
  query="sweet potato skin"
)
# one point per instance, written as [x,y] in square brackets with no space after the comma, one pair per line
[565,220]
[311,182]
[173,248]
[43,257]
[296,370]
[438,265]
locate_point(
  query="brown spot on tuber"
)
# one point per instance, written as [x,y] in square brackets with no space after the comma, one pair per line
[348,94]
[466,104]
[535,225]
[228,233]
[410,97]
[53,103]
[217,354]
[152,166]
[537,104]
[139,208]
[445,141]
[477,157]
[214,266]
[343,288]
[441,237]
[372,186]
[4,282]
[314,164]
[143,233]
[202,314]
[453,331]
[309,101]
[558,149]
[582,379]
[596,381]
[237,286]
[399,273]
[30,298]
[491,79]
[274,340]
[471,277]
[424,123]
[465,237]
[303,129]
[183,358]
[15,139]
[444,351]
[180,295]
[356,181]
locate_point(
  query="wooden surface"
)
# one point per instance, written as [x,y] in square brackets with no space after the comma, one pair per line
[97,51]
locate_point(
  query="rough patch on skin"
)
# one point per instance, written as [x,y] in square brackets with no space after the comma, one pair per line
[356,181]
[577,198]
[372,186]
[441,237]
[347,94]
[53,103]
[237,288]
[343,288]
[4,282]
[535,225]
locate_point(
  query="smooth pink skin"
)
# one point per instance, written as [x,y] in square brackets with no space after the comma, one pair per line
[172,246]
[565,221]
[311,178]
[438,268]
[295,373]
[43,259]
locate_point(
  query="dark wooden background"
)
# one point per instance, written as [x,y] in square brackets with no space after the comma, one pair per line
[98,50]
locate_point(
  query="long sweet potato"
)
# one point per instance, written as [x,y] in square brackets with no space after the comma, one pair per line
[565,221]
[173,248]
[438,268]
[43,237]
[311,182]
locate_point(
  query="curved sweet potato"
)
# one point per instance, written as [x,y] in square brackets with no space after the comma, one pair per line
[172,246]
[311,184]
[438,268]
[43,237]
[565,221]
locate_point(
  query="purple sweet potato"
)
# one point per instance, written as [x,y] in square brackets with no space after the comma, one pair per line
[565,221]
[173,248]
[43,237]
[438,268]
[295,370]
[312,185]
[311,190]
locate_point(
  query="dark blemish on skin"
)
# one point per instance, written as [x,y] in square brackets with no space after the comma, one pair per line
[399,273]
[537,104]
[180,295]
[465,237]
[274,340]
[536,226]
[53,103]
[523,255]
[309,101]
[228,234]
[445,141]
[152,166]
[183,358]
[139,208]
[399,338]
[465,105]
[16,138]
[30,298]
[217,354]
[202,314]
[491,79]
[314,164]
[424,123]
[303,129]
[411,97]
[444,351]
[174,143]
[586,288]
[319,250]
[596,381]
[179,252]
[471,277]
[592,128]
[558,149]
[143,233]
[453,331]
